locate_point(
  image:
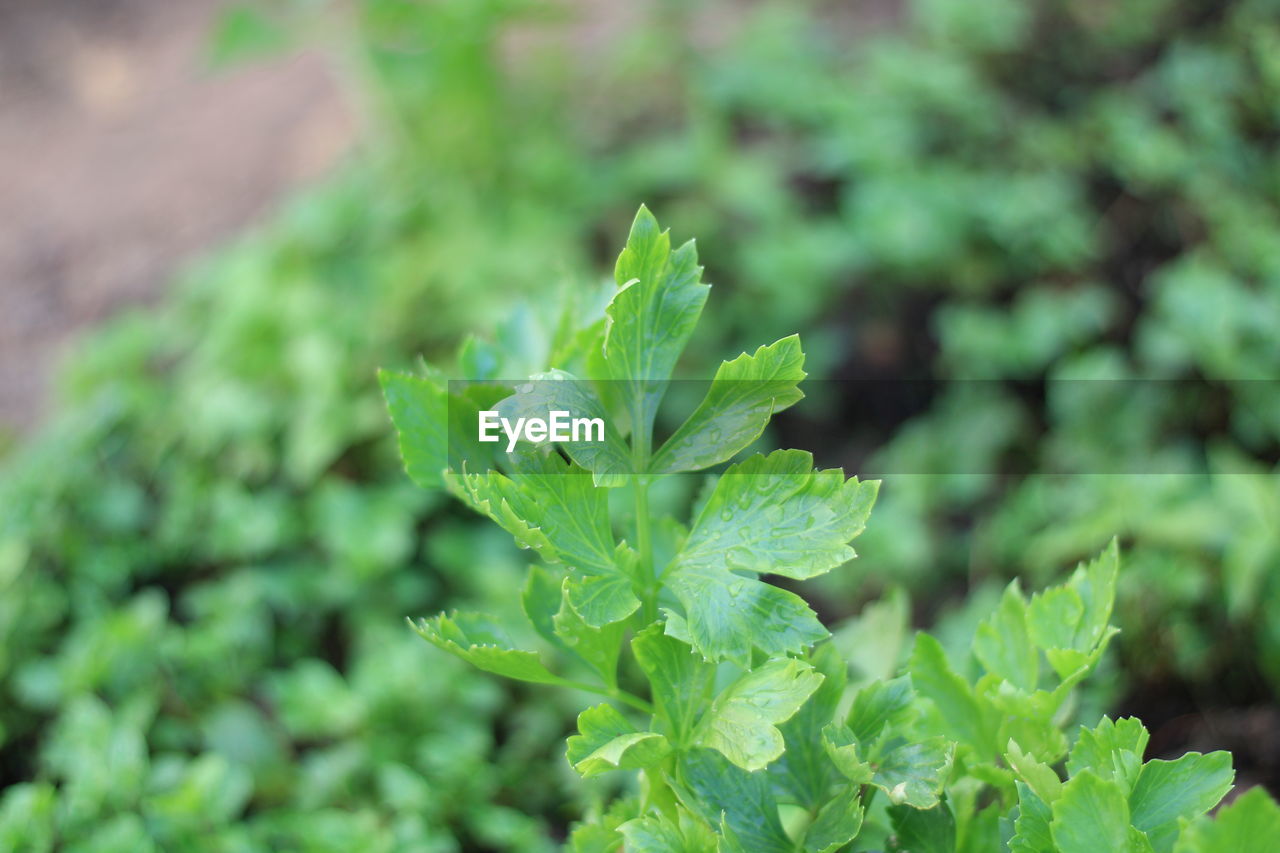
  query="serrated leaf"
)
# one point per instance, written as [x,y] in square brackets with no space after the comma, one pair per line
[923,831]
[1251,824]
[909,772]
[880,704]
[1070,622]
[608,460]
[742,721]
[744,395]
[961,714]
[1110,749]
[913,773]
[1093,815]
[1003,644]
[651,317]
[597,647]
[838,822]
[607,741]
[1038,776]
[484,645]
[847,754]
[740,802]
[659,835]
[593,838]
[553,507]
[1167,791]
[420,411]
[541,598]
[681,681]
[1032,833]
[804,769]
[767,514]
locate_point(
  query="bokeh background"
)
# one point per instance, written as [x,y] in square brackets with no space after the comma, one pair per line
[1058,219]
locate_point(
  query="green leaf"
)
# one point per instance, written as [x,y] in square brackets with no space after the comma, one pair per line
[651,317]
[1167,791]
[1093,815]
[1113,750]
[804,769]
[914,773]
[420,411]
[658,835]
[767,514]
[909,772]
[1032,827]
[744,395]
[923,831]
[1251,824]
[716,790]
[847,754]
[553,507]
[1003,644]
[541,600]
[1070,622]
[961,715]
[838,822]
[741,723]
[484,645]
[607,741]
[681,681]
[609,460]
[880,704]
[597,647]
[1038,776]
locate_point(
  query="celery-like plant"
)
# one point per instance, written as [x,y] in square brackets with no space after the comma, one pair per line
[725,695]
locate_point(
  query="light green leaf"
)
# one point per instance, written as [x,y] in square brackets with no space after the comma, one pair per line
[420,411]
[1113,750]
[1032,833]
[741,802]
[767,514]
[553,507]
[741,723]
[597,647]
[1070,622]
[1251,824]
[484,645]
[847,754]
[1093,815]
[744,395]
[1167,791]
[838,822]
[923,831]
[804,770]
[651,317]
[607,741]
[541,600]
[913,773]
[961,714]
[680,679]
[880,704]
[658,835]
[608,460]
[1039,777]
[1003,644]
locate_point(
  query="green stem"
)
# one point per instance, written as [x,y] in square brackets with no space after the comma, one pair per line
[614,693]
[644,545]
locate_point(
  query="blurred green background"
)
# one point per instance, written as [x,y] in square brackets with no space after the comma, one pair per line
[208,549]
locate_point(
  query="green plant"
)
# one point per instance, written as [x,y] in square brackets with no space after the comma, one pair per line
[726,693]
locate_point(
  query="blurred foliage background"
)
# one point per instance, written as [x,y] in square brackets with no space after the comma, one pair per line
[1062,216]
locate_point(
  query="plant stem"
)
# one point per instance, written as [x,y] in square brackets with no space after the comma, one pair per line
[644,545]
[612,693]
